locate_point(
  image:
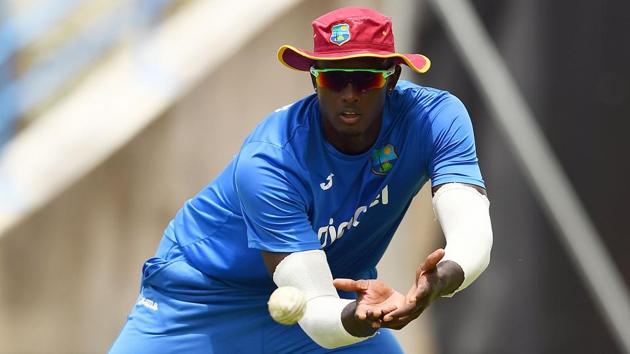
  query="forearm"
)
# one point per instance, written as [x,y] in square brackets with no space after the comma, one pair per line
[465,219]
[355,326]
[308,271]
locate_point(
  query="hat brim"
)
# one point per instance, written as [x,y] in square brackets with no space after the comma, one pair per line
[302,60]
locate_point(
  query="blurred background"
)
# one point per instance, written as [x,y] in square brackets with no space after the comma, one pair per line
[113,113]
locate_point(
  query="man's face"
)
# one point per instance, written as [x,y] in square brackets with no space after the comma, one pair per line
[351,117]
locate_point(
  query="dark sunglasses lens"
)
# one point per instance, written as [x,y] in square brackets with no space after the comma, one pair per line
[337,80]
[331,80]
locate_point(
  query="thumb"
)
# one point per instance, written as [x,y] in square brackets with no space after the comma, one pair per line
[350,284]
[432,260]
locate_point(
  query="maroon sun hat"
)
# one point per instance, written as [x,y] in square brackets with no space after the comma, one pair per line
[351,32]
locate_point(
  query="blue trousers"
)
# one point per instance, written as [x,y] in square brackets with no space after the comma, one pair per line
[181,310]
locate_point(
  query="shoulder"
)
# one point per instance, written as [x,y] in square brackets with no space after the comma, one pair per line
[423,102]
[274,143]
[423,98]
[284,124]
[424,108]
[270,149]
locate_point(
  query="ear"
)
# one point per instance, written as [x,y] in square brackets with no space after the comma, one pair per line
[393,79]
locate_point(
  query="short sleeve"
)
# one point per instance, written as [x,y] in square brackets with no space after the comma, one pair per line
[273,200]
[453,157]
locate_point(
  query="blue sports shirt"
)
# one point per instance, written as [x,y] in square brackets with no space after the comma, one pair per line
[289,190]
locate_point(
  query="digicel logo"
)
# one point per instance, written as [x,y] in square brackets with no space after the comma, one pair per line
[330,233]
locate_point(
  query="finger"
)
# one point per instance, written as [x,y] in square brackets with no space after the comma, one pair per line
[401,311]
[387,309]
[376,313]
[432,260]
[360,312]
[394,325]
[400,322]
[408,309]
[408,317]
[368,312]
[375,324]
[350,284]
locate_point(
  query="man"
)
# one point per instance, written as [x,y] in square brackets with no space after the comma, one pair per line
[315,194]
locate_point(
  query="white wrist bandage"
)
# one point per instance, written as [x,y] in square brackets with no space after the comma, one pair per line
[464,215]
[309,272]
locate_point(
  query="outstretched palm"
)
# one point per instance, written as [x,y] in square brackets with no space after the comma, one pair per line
[374,297]
[422,293]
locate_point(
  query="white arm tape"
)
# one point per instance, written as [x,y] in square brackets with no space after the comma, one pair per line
[464,215]
[309,272]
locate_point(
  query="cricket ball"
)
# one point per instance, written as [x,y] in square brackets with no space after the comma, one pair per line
[287,305]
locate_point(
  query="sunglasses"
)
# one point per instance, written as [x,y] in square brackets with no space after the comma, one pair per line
[361,79]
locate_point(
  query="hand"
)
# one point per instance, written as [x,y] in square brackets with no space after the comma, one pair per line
[422,293]
[374,300]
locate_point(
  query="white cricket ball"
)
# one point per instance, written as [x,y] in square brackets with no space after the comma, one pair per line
[287,305]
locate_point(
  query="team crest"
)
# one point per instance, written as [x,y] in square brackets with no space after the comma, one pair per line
[340,33]
[383,159]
